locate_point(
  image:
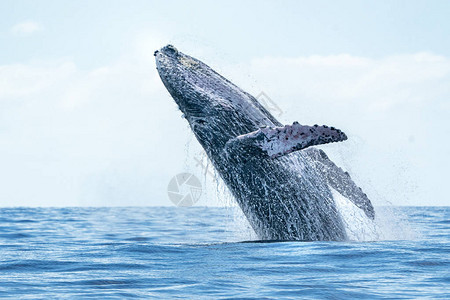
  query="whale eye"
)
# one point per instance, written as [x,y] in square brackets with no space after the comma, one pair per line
[200,121]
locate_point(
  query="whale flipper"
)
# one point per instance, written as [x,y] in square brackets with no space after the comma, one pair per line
[278,141]
[341,181]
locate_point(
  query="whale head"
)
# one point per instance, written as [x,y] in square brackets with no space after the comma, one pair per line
[216,109]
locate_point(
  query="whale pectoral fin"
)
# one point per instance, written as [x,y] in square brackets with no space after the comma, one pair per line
[340,180]
[279,141]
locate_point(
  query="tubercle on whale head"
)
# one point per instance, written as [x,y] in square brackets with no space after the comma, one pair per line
[169,50]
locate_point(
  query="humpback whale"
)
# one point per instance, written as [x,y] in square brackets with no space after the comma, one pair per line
[281,182]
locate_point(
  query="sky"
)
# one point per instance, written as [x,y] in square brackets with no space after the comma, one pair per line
[86,121]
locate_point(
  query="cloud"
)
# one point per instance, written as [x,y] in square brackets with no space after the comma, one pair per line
[26,28]
[87,137]
[375,83]
[22,80]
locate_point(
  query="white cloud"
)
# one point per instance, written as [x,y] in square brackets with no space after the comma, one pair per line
[26,28]
[390,80]
[21,80]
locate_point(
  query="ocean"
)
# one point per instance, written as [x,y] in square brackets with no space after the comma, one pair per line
[204,253]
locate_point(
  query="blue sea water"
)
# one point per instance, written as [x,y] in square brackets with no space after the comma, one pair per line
[199,252]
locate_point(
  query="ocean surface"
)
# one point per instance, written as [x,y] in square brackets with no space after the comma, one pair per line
[202,253]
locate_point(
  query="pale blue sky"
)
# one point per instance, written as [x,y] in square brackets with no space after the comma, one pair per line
[85,120]
[97,32]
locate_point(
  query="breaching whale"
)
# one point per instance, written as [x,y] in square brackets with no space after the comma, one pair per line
[282,184]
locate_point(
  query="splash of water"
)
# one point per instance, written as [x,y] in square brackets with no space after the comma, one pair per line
[389,224]
[357,225]
[392,224]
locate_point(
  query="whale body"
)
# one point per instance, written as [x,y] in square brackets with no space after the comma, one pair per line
[281,182]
